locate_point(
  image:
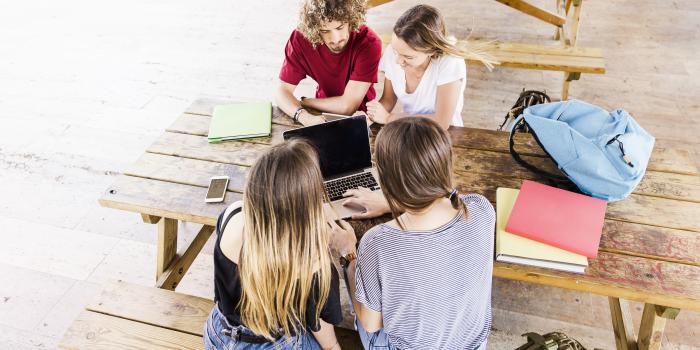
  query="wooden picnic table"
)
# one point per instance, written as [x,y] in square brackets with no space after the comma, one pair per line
[649,250]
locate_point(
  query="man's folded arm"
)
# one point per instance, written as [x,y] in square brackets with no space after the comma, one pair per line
[346,104]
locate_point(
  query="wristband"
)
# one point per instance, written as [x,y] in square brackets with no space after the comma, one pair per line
[295,117]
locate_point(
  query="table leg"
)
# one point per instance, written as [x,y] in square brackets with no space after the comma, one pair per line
[651,328]
[622,324]
[167,244]
[174,273]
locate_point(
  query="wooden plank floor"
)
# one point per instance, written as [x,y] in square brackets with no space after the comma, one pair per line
[87,86]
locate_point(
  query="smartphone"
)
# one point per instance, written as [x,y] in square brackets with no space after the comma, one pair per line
[217,189]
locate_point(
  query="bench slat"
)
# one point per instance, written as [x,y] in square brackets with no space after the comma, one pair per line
[95,331]
[154,306]
[533,56]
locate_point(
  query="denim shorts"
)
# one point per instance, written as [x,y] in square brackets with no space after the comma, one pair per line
[379,340]
[218,337]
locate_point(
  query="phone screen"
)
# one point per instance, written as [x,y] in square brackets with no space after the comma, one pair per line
[217,188]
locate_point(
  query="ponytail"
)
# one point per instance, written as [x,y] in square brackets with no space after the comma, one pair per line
[457,202]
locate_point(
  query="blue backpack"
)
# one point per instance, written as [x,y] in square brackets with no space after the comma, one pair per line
[605,154]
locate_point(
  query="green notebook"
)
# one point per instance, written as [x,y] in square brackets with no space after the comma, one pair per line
[240,121]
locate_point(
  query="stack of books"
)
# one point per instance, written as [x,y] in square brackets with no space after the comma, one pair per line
[544,226]
[240,121]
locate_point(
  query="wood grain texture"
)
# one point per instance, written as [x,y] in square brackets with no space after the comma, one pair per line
[205,106]
[664,158]
[187,170]
[150,219]
[638,209]
[375,3]
[166,199]
[622,324]
[620,276]
[532,56]
[154,306]
[195,124]
[651,329]
[656,184]
[197,147]
[92,330]
[624,276]
[620,237]
[174,273]
[167,244]
[537,12]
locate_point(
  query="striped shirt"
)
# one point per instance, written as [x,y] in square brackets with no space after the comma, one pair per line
[433,288]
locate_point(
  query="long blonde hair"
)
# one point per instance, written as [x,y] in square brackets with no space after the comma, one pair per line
[423,28]
[414,164]
[285,241]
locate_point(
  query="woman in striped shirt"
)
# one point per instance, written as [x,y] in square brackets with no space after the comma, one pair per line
[422,280]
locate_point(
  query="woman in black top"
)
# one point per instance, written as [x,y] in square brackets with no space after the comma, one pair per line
[275,285]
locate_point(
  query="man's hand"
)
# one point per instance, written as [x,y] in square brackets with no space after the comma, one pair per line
[374,203]
[308,119]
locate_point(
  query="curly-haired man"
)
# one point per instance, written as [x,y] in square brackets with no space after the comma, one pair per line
[332,46]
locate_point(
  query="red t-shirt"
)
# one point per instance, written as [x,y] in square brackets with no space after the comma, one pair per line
[359,61]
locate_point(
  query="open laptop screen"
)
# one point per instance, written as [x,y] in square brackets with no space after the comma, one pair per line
[342,145]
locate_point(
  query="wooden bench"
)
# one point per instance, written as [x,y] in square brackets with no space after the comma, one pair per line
[563,56]
[127,316]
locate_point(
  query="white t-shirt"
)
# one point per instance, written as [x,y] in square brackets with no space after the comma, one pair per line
[443,70]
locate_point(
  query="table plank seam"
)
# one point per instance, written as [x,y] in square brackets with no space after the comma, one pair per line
[199,158]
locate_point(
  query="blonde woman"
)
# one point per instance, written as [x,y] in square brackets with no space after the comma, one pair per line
[422,280]
[275,285]
[423,70]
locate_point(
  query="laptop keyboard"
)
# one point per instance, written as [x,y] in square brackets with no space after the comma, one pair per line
[336,188]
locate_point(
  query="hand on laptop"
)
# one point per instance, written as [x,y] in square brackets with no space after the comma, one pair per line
[308,119]
[374,202]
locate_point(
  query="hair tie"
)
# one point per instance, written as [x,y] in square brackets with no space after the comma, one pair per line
[452,194]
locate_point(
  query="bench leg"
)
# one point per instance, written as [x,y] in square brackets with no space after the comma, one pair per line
[568,78]
[575,22]
[167,245]
[622,324]
[651,328]
[174,273]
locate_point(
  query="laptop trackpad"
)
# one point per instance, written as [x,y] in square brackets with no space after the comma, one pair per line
[345,212]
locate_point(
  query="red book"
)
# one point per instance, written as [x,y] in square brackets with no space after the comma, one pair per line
[560,218]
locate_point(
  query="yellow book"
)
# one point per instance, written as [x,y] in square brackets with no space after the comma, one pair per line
[520,250]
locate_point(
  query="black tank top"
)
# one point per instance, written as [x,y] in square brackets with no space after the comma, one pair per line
[227,288]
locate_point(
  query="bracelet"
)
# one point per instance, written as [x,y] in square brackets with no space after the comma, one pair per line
[295,117]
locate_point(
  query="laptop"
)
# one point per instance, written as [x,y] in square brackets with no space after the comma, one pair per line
[344,157]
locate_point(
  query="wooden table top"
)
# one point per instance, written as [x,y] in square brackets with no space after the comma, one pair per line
[649,250]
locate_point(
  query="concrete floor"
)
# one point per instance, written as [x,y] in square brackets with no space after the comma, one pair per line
[86,86]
